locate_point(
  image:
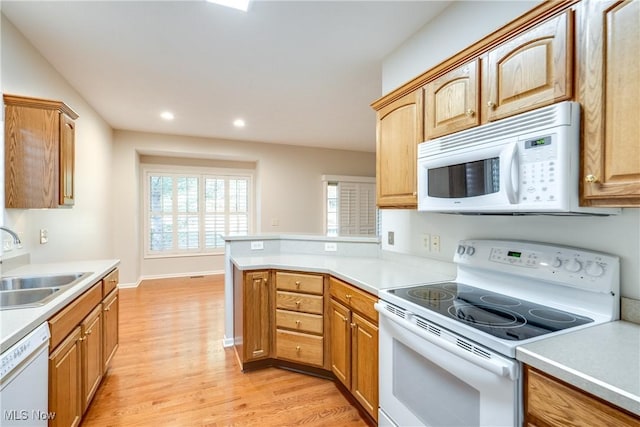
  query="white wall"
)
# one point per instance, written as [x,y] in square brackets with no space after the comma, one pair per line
[457,27]
[288,186]
[84,231]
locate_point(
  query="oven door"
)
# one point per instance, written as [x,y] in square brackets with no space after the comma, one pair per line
[430,377]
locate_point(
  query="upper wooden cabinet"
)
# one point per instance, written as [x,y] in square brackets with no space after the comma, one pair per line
[531,70]
[609,92]
[39,153]
[399,130]
[452,101]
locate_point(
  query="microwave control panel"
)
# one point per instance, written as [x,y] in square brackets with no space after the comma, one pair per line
[539,164]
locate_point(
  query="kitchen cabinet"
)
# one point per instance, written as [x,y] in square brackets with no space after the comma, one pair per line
[609,92]
[399,131]
[452,101]
[354,343]
[300,318]
[39,153]
[252,315]
[91,351]
[550,402]
[81,335]
[530,70]
[65,382]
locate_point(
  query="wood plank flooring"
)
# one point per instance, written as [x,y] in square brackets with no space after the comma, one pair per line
[172,370]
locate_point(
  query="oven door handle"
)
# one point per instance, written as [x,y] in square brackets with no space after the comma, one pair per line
[496,365]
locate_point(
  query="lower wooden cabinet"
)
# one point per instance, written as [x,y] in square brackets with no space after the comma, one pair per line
[550,402]
[92,364]
[252,315]
[84,338]
[65,379]
[354,343]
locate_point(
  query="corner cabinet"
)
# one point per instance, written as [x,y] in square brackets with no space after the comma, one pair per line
[552,403]
[252,315]
[609,92]
[39,153]
[354,343]
[399,131]
[531,70]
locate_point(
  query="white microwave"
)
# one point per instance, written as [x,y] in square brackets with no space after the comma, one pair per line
[525,164]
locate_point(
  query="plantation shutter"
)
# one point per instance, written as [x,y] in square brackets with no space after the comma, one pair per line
[356,209]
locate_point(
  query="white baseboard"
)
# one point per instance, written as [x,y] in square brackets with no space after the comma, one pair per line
[172,275]
[227,342]
[128,285]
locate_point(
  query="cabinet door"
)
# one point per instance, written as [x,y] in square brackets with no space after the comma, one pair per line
[341,342]
[399,130]
[531,70]
[110,315]
[91,355]
[609,91]
[257,314]
[67,160]
[452,101]
[364,363]
[65,382]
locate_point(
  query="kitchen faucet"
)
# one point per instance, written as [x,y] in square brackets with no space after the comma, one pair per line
[16,239]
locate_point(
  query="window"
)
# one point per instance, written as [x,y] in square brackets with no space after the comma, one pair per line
[188,213]
[350,206]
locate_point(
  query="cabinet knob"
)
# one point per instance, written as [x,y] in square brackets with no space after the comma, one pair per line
[353,325]
[107,309]
[591,179]
[491,104]
[297,303]
[415,193]
[348,296]
[298,322]
[470,113]
[89,332]
[297,283]
[297,349]
[81,339]
[265,281]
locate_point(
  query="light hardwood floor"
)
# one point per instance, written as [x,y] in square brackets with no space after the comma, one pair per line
[172,370]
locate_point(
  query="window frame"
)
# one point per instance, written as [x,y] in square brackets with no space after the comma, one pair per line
[202,173]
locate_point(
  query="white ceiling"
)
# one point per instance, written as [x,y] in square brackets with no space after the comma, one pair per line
[298,72]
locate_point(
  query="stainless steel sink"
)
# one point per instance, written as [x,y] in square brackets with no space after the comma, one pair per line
[35,282]
[24,298]
[33,291]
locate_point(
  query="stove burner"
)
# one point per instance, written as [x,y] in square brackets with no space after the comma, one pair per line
[486,315]
[552,315]
[431,294]
[500,300]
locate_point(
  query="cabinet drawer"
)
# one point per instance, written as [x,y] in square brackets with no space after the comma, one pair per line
[63,323]
[110,282]
[303,322]
[299,302]
[354,298]
[298,282]
[302,348]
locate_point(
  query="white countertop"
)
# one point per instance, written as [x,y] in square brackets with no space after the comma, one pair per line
[603,360]
[368,273]
[17,323]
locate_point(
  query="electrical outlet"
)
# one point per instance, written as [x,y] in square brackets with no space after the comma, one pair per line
[426,241]
[390,238]
[435,243]
[275,222]
[44,236]
[330,246]
[257,245]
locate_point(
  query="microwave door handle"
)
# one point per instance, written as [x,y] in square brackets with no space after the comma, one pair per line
[513,174]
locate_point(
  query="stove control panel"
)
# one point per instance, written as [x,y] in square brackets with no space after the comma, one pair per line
[565,265]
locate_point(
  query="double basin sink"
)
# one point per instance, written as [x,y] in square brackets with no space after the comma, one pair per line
[33,291]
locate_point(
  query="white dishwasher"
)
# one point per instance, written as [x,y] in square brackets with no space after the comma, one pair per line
[24,377]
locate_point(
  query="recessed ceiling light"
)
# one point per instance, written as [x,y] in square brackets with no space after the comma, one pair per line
[167,115]
[239,123]
[242,5]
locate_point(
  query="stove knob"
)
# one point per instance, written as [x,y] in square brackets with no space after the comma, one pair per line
[573,265]
[471,250]
[556,263]
[594,269]
[461,249]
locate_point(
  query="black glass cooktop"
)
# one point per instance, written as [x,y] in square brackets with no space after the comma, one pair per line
[496,314]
